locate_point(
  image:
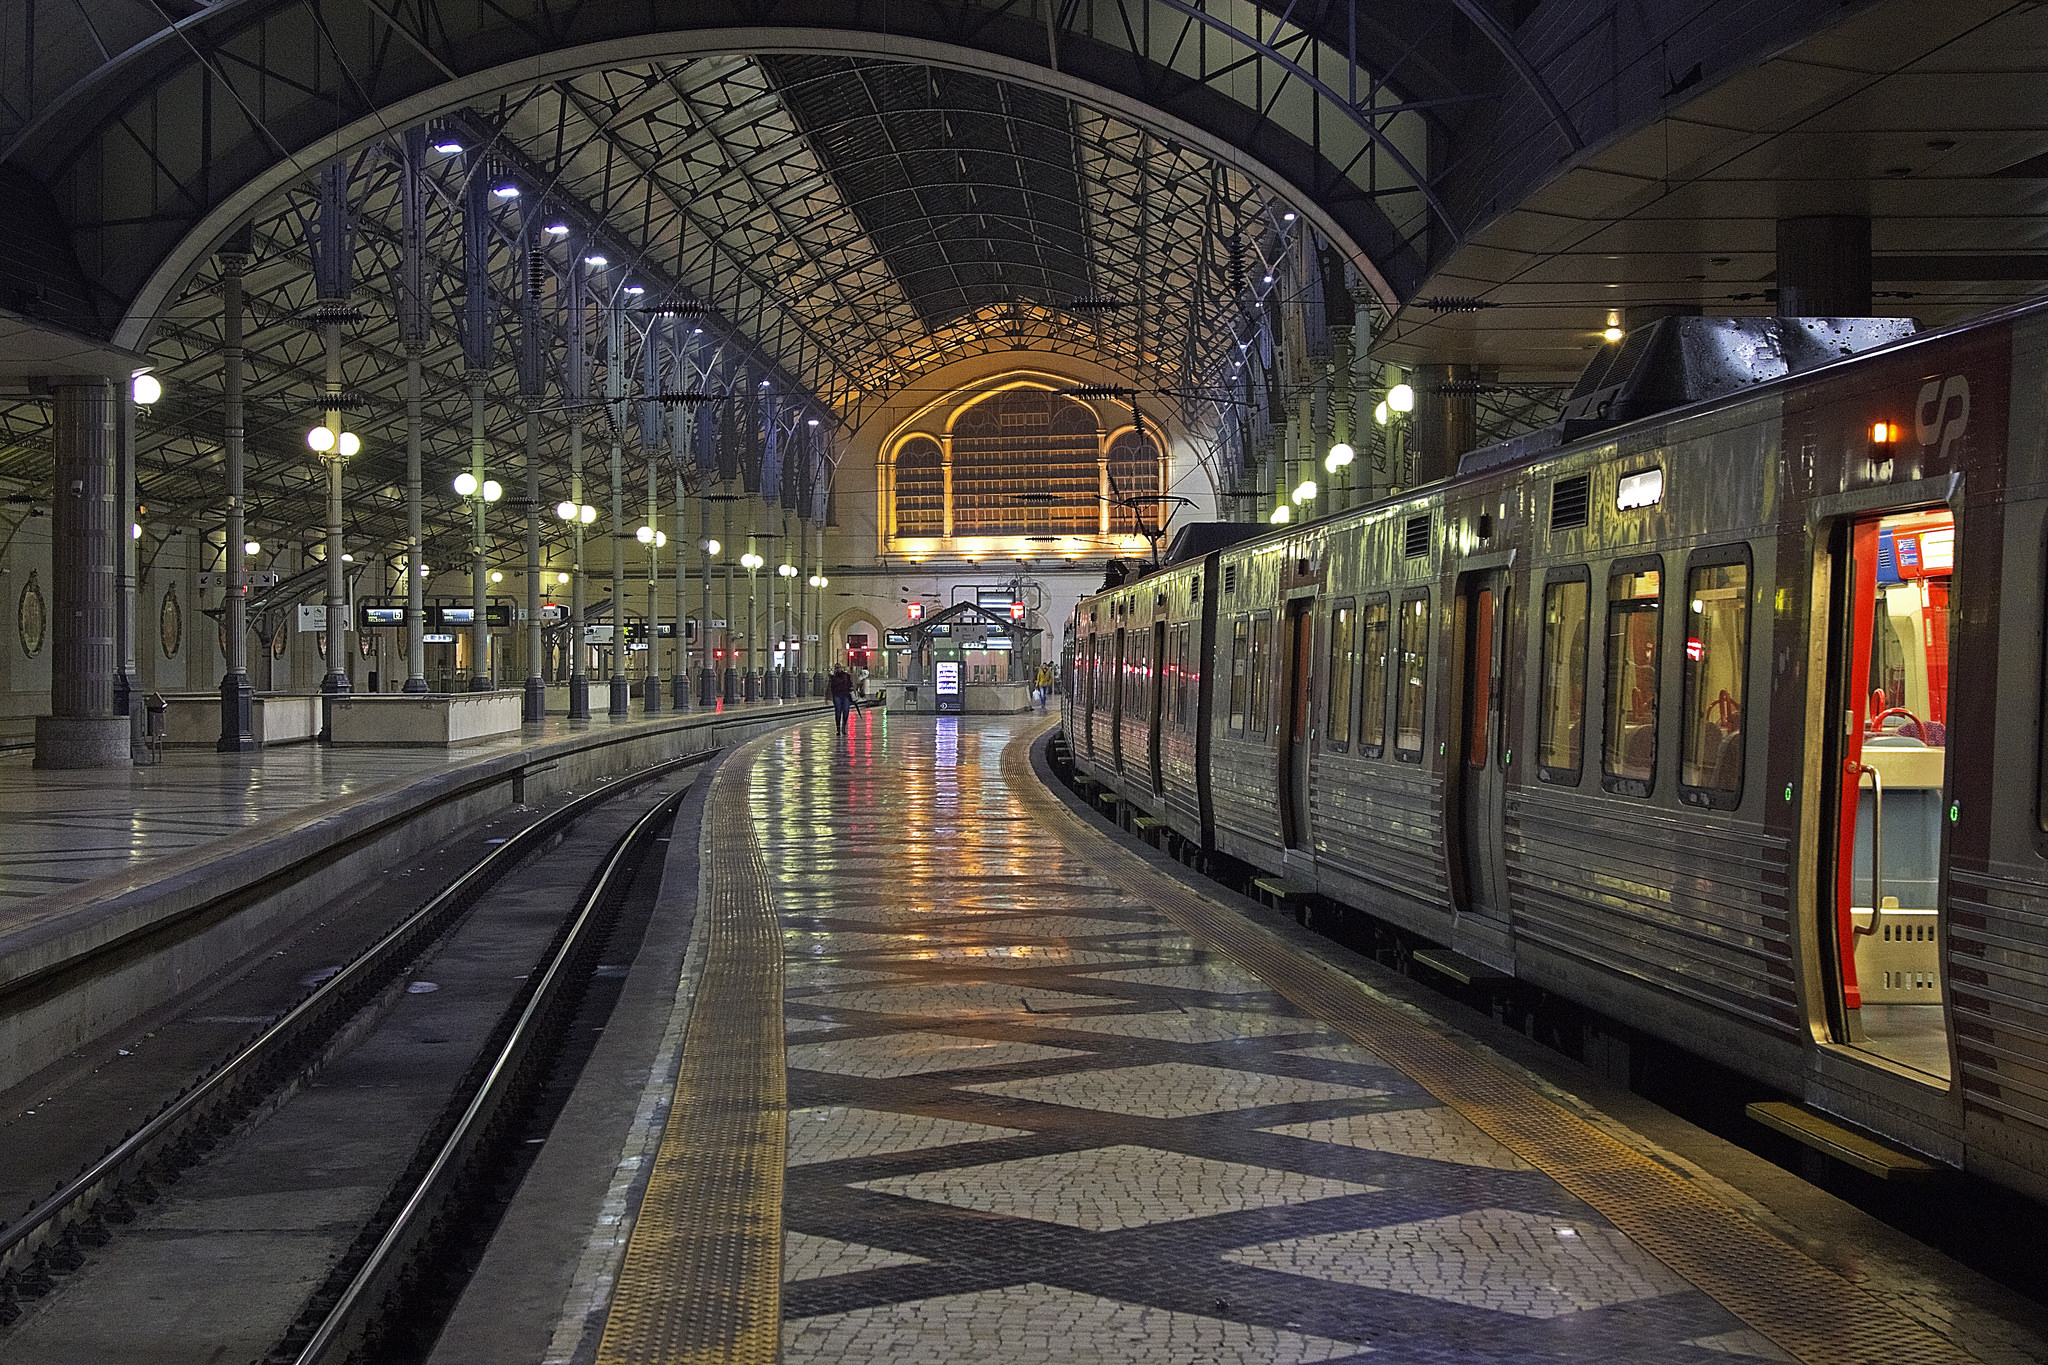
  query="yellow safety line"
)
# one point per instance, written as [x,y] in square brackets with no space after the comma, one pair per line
[702,1276]
[1802,1306]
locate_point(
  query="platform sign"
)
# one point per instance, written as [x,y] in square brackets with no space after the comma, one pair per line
[379,614]
[254,578]
[895,639]
[994,642]
[454,616]
[994,597]
[438,639]
[313,617]
[946,686]
[597,635]
[914,610]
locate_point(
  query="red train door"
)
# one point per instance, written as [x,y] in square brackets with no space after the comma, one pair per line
[1295,743]
[1156,709]
[1884,887]
[1476,764]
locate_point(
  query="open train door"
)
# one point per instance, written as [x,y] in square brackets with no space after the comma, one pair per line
[1883,888]
[1478,763]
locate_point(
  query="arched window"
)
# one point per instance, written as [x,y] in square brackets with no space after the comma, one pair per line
[1024,464]
[1133,474]
[920,488]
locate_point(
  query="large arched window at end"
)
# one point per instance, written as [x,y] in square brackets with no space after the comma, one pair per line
[1134,483]
[1024,464]
[920,488]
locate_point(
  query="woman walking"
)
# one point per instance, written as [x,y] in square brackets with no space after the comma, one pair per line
[842,696]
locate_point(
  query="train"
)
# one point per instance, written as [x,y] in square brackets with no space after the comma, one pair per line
[1716,708]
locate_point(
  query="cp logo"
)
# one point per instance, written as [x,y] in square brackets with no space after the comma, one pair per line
[1943,411]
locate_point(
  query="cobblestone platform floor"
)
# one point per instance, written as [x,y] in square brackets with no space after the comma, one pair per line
[1030,1119]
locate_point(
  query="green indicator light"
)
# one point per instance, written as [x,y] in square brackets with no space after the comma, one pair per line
[1508,757]
[1788,791]
[1955,811]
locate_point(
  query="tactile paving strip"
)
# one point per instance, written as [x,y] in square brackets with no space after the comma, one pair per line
[702,1276]
[1805,1308]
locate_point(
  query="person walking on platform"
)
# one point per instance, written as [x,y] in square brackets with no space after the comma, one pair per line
[1041,685]
[842,696]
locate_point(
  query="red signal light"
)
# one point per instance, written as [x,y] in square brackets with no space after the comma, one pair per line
[1016,611]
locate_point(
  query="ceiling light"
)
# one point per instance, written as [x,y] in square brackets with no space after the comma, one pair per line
[497,576]
[1286,217]
[320,439]
[465,483]
[1305,491]
[557,229]
[595,260]
[566,511]
[1339,456]
[493,490]
[1401,398]
[561,578]
[1281,515]
[645,535]
[635,289]
[348,443]
[587,515]
[506,191]
[1269,279]
[147,390]
[1612,334]
[447,147]
[252,547]
[712,547]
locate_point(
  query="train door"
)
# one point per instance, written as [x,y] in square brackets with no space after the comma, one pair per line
[1156,711]
[1116,704]
[1294,749]
[1477,768]
[1888,785]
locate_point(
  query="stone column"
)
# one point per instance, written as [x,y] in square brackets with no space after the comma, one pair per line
[82,730]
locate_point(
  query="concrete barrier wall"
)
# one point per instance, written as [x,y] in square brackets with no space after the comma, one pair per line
[116,952]
[193,720]
[432,720]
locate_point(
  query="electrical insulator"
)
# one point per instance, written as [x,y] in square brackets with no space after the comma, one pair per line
[536,273]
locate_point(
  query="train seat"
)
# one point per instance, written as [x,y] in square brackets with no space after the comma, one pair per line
[1900,964]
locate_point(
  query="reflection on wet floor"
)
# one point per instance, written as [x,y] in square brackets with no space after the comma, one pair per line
[1026,1109]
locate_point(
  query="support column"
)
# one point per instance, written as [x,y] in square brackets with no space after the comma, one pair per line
[479,568]
[819,662]
[753,623]
[1824,267]
[785,682]
[621,704]
[579,682]
[336,682]
[237,735]
[731,681]
[82,730]
[651,703]
[946,476]
[415,539]
[127,679]
[679,687]
[1446,419]
[1102,493]
[533,706]
[706,680]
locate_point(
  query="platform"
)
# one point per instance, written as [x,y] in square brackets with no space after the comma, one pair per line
[959,1074]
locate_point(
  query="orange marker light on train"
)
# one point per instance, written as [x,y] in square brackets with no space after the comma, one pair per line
[1884,436]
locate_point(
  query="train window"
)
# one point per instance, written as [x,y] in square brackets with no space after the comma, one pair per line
[1411,678]
[1716,664]
[1183,679]
[1343,665]
[1634,614]
[1372,711]
[1262,649]
[1240,670]
[1561,701]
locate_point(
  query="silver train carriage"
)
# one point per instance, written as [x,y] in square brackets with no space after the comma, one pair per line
[1726,723]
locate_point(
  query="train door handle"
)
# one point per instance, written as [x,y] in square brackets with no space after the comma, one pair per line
[1876,843]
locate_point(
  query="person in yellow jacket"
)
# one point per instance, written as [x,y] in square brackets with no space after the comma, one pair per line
[1042,685]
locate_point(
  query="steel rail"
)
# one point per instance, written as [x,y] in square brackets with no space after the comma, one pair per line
[60,1217]
[354,1314]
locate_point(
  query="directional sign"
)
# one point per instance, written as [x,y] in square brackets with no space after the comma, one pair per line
[255,578]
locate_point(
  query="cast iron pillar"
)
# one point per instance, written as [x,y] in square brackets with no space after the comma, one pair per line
[82,730]
[237,734]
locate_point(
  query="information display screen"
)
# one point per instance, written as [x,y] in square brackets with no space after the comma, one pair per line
[946,676]
[456,616]
[382,616]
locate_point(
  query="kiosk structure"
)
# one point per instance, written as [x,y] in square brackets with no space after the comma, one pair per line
[964,660]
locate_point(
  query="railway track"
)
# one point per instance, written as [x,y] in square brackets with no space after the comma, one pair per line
[481,920]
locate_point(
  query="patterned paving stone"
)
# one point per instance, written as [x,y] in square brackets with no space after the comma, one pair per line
[1172,1090]
[1337,1052]
[1499,1259]
[1183,1026]
[1105,1188]
[1030,1324]
[912,1054]
[1439,1134]
[804,976]
[1217,977]
[947,1001]
[805,1257]
[1012,955]
[843,1132]
[1741,1343]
